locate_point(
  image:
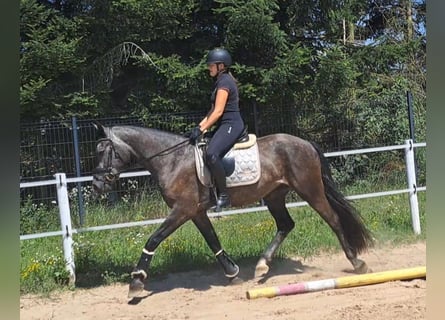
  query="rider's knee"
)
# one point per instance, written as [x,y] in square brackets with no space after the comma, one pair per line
[211,158]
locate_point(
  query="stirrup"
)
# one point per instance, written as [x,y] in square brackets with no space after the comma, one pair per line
[223,201]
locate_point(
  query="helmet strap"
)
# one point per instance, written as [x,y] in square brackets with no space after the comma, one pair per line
[220,70]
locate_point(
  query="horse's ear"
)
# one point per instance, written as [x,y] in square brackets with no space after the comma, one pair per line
[99,128]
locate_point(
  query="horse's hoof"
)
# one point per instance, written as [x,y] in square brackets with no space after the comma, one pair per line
[361,268]
[236,281]
[261,268]
[136,288]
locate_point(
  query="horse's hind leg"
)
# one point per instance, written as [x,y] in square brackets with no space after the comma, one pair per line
[276,204]
[317,200]
[204,225]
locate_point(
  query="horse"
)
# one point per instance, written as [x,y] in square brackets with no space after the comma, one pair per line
[287,163]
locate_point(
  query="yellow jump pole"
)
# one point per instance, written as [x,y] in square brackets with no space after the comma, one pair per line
[342,282]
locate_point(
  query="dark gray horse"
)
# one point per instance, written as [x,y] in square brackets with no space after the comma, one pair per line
[287,163]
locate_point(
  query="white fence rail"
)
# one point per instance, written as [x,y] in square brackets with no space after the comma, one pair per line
[66,231]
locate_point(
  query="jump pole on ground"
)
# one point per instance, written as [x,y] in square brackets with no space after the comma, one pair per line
[338,283]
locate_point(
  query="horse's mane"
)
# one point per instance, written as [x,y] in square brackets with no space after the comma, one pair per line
[127,136]
[146,130]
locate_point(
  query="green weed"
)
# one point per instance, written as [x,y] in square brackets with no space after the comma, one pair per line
[106,257]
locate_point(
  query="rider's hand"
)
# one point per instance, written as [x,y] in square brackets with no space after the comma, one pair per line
[194,134]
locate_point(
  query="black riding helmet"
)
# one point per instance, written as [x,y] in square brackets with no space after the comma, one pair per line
[219,55]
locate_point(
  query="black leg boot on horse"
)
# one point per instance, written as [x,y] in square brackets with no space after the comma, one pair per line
[219,176]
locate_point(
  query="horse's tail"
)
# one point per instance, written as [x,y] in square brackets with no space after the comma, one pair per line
[355,231]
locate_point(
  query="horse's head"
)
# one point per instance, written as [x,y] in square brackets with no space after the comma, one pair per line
[113,156]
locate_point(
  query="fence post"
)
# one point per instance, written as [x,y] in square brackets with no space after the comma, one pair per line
[65,222]
[412,186]
[409,101]
[77,158]
[255,119]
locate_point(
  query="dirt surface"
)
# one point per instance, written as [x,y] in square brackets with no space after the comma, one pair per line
[206,295]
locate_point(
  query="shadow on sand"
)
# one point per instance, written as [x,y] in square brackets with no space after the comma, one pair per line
[202,280]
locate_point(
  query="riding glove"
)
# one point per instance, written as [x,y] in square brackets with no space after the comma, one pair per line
[194,134]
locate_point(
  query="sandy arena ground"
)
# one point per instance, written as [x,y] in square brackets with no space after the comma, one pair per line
[206,295]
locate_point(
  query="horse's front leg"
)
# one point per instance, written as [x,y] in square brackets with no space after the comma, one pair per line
[140,272]
[204,225]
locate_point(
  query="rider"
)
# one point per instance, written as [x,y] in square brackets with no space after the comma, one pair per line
[226,115]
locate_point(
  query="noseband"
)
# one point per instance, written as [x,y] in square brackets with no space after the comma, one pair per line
[109,173]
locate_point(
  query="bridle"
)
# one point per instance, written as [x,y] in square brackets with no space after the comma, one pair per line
[111,174]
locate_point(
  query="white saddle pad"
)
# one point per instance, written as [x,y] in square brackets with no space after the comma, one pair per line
[247,167]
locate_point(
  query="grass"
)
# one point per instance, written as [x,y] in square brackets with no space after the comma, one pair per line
[106,257]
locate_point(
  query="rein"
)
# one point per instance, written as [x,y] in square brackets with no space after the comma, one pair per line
[166,151]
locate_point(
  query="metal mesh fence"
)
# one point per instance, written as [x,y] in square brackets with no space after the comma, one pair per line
[49,147]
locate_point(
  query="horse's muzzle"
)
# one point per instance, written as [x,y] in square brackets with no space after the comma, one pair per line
[98,186]
[104,180]
[102,185]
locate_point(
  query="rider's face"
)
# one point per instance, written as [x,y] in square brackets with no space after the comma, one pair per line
[213,69]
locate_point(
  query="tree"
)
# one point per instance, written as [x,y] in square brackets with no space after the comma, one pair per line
[48,56]
[250,32]
[324,57]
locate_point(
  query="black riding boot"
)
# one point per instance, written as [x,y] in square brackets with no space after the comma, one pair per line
[222,202]
[219,175]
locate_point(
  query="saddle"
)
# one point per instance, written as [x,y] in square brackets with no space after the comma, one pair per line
[241,163]
[245,140]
